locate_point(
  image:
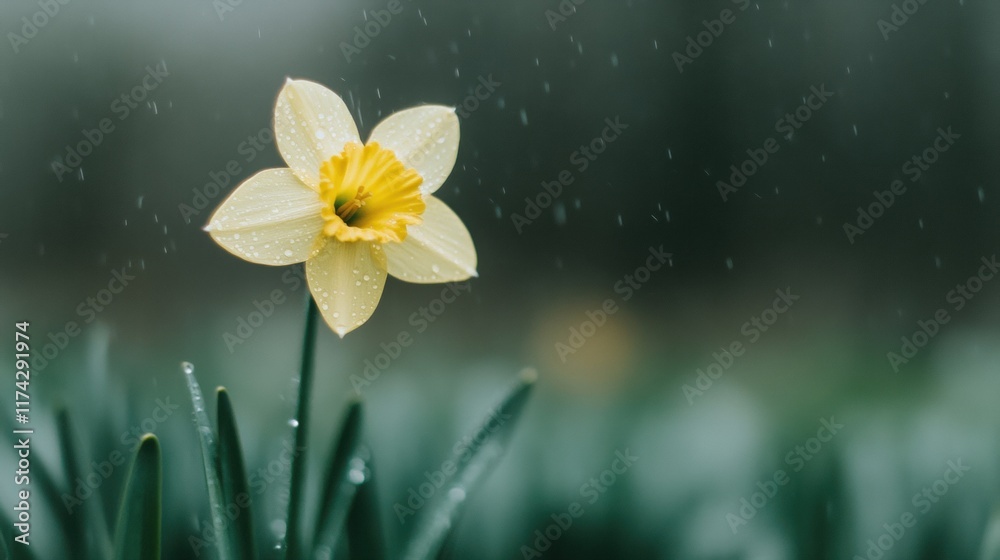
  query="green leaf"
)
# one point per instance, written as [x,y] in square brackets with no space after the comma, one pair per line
[138,533]
[989,549]
[339,487]
[20,551]
[444,508]
[233,478]
[98,544]
[210,459]
[301,432]
[363,526]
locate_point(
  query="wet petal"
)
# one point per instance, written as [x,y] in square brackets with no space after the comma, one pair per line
[346,280]
[271,218]
[438,250]
[424,138]
[311,125]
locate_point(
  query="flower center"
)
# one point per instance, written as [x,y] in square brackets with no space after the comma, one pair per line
[369,195]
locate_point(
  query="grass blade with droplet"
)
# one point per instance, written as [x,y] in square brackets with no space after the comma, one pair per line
[364,528]
[301,432]
[339,488]
[233,480]
[440,514]
[209,455]
[139,533]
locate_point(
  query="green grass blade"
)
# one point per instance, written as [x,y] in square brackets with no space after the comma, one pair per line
[18,551]
[989,549]
[99,545]
[138,534]
[209,455]
[363,525]
[440,515]
[233,478]
[301,432]
[339,487]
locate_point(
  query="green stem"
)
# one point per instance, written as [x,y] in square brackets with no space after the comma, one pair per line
[292,537]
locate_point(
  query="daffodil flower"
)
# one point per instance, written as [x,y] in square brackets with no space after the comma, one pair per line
[352,212]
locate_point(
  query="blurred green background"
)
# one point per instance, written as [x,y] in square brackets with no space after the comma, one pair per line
[557,72]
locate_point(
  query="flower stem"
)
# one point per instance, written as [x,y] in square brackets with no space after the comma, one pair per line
[299,429]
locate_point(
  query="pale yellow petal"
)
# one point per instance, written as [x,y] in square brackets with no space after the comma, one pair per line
[271,218]
[311,125]
[346,280]
[424,138]
[438,250]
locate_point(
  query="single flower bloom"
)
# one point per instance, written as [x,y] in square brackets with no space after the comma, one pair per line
[352,212]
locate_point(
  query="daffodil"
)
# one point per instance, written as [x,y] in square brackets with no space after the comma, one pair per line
[352,212]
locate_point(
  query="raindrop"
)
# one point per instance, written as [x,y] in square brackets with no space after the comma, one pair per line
[559,213]
[187,368]
[524,117]
[293,422]
[356,476]
[981,193]
[729,263]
